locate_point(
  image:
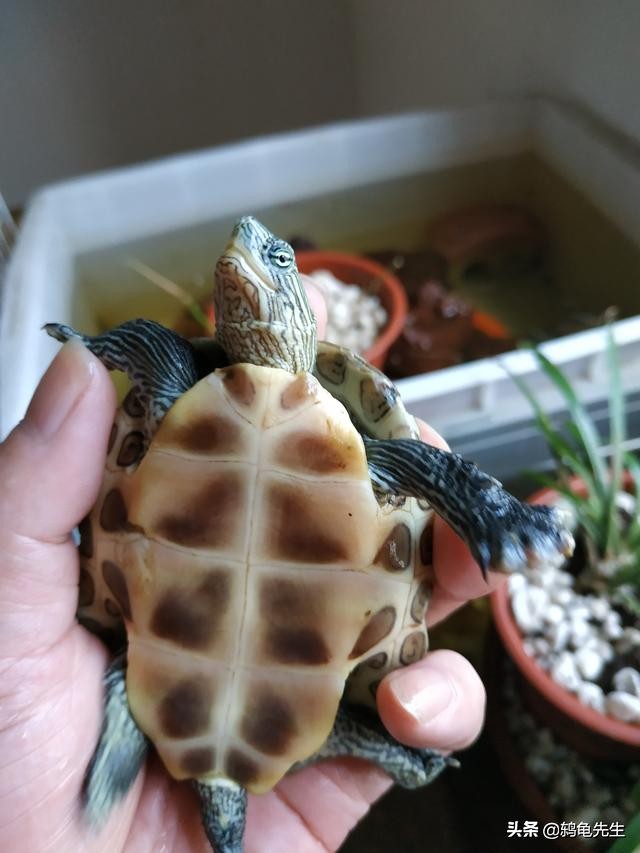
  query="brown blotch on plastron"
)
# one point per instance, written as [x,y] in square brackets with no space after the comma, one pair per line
[132,406]
[296,646]
[413,648]
[198,761]
[112,437]
[209,519]
[238,385]
[112,608]
[303,388]
[319,454]
[86,589]
[113,515]
[131,449]
[377,397]
[86,537]
[294,531]
[268,724]
[377,628]
[420,599]
[332,367]
[426,545]
[190,619]
[240,768]
[206,434]
[395,553]
[423,503]
[184,711]
[376,661]
[117,583]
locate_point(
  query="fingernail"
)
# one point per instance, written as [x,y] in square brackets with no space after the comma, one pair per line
[65,381]
[423,701]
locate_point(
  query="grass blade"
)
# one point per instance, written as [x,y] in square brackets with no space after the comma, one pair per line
[616,440]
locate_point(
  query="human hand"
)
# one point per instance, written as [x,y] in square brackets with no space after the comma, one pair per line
[51,669]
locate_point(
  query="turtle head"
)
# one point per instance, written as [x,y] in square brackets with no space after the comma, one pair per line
[262,313]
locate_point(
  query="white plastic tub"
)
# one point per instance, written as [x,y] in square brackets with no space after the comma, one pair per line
[106,211]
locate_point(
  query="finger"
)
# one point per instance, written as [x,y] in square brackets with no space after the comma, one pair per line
[438,702]
[317,302]
[50,467]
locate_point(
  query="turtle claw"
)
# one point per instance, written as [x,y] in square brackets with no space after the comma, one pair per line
[524,537]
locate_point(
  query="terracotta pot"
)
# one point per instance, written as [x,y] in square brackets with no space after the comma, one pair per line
[372,277]
[583,728]
[509,756]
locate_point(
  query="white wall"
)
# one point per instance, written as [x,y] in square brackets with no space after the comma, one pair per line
[414,53]
[89,84]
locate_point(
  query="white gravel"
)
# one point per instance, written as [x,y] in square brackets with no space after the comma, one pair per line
[355,318]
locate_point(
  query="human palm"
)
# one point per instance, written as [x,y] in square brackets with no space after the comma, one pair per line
[51,668]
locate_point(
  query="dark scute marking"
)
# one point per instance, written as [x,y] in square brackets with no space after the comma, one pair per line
[373,687]
[240,768]
[208,519]
[86,589]
[299,391]
[395,552]
[268,724]
[377,397]
[297,645]
[198,761]
[131,449]
[332,367]
[207,434]
[426,545]
[132,406]
[420,600]
[112,608]
[86,537]
[112,437]
[239,386]
[113,515]
[295,530]
[413,648]
[314,453]
[190,619]
[116,581]
[376,629]
[184,711]
[376,661]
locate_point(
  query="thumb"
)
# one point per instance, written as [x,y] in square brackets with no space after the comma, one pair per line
[50,469]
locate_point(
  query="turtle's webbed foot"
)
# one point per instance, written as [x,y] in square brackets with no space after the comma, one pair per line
[355,735]
[508,535]
[501,532]
[119,755]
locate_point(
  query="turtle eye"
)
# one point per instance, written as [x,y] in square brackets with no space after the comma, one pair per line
[281,256]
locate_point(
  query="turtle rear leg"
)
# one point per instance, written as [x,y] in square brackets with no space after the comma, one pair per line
[501,532]
[160,364]
[358,735]
[223,806]
[120,753]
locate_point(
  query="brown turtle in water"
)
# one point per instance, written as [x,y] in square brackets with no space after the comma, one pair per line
[262,539]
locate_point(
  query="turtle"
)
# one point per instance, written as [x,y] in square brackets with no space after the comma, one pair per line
[260,552]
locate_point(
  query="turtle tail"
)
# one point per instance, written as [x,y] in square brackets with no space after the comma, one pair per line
[223,805]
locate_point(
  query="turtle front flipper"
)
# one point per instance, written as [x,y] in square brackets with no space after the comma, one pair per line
[160,364]
[359,735]
[501,532]
[120,753]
